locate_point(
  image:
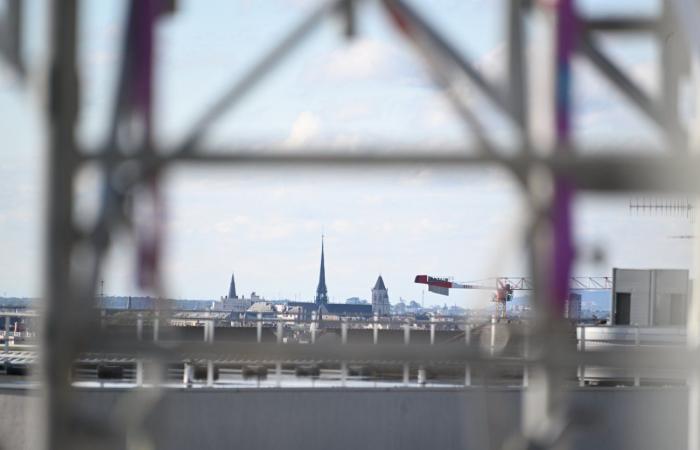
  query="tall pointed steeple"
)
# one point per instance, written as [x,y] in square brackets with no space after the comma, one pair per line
[322,290]
[232,288]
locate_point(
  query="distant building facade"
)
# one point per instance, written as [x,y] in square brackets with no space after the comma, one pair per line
[237,305]
[380,298]
[337,311]
[261,308]
[650,297]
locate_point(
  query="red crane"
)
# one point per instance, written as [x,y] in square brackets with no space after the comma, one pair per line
[503,287]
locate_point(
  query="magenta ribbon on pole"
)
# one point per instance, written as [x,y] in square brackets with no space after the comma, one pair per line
[143,16]
[140,52]
[563,248]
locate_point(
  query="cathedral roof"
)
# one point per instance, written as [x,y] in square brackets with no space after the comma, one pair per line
[348,310]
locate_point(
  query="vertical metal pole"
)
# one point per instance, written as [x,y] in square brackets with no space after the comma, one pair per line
[209,338]
[492,340]
[156,327]
[57,344]
[187,373]
[526,356]
[210,373]
[582,349]
[139,327]
[693,345]
[375,330]
[467,368]
[406,341]
[422,376]
[139,363]
[139,373]
[671,63]
[432,332]
[551,250]
[637,378]
[258,326]
[278,364]
[344,341]
[313,328]
[7,334]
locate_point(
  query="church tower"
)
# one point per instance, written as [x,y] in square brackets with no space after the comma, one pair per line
[322,290]
[380,298]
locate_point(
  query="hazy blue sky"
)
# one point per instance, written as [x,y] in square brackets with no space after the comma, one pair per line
[266,226]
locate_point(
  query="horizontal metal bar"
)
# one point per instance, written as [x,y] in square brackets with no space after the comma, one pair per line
[618,24]
[680,358]
[18,314]
[604,171]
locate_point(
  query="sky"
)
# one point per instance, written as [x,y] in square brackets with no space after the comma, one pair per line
[266,226]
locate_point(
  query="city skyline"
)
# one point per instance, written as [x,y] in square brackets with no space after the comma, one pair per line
[335,95]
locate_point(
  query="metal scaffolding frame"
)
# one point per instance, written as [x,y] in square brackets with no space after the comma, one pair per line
[132,163]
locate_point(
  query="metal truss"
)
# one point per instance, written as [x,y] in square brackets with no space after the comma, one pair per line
[575,283]
[132,162]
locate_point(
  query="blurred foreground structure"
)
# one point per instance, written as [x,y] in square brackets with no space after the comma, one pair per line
[543,411]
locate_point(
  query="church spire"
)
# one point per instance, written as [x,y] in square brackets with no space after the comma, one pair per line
[321,290]
[232,288]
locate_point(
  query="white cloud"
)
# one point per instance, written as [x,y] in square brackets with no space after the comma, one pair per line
[366,59]
[305,128]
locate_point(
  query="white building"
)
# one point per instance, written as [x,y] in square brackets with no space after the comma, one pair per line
[650,297]
[380,298]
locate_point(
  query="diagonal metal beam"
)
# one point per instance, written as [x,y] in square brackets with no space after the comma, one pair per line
[11,36]
[621,24]
[517,71]
[408,18]
[588,47]
[256,74]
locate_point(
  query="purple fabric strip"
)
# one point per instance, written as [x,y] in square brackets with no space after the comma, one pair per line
[140,51]
[143,17]
[563,254]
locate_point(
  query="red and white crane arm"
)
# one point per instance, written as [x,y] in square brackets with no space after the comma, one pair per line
[503,287]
